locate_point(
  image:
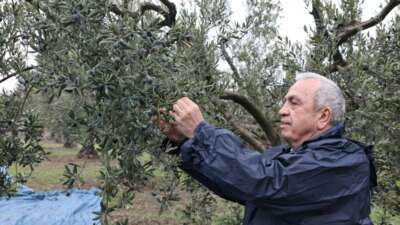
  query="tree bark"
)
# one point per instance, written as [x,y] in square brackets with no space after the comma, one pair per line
[257,114]
[245,134]
[88,150]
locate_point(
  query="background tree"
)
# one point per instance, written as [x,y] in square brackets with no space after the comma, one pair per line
[55,116]
[19,128]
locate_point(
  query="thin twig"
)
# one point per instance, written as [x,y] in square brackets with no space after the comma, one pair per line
[229,60]
[17,73]
[22,106]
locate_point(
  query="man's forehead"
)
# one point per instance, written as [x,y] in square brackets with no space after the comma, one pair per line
[303,88]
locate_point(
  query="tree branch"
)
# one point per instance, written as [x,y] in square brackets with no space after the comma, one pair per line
[338,59]
[117,11]
[16,73]
[229,60]
[114,8]
[245,134]
[338,62]
[22,106]
[169,17]
[150,6]
[264,123]
[319,22]
[344,33]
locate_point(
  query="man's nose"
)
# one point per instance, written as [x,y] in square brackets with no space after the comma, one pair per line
[284,110]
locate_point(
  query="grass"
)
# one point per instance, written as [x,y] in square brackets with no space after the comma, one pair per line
[48,174]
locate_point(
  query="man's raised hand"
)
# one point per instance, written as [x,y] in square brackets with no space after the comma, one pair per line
[187,116]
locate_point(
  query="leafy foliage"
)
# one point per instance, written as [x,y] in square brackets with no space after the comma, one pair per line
[72,175]
[19,141]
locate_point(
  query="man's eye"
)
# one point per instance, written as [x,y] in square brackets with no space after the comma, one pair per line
[294,102]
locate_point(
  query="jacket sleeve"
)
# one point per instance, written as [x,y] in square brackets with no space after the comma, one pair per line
[306,180]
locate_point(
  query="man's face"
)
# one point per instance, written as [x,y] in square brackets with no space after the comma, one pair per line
[298,115]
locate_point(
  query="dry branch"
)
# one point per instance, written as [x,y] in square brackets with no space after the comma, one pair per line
[264,123]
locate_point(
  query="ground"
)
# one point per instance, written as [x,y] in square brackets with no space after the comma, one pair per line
[49,173]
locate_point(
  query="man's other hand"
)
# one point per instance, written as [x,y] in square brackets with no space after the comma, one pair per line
[187,116]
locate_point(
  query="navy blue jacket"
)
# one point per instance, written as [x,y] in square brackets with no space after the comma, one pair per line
[324,182]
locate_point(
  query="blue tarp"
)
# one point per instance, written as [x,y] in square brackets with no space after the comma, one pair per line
[71,207]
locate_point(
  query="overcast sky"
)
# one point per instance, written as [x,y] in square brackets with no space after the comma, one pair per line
[295,15]
[293,18]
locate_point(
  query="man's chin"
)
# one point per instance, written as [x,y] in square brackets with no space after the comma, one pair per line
[284,131]
[285,134]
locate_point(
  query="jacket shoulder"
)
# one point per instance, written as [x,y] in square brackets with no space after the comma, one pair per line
[335,144]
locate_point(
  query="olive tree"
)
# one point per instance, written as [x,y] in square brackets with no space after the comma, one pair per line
[122,61]
[19,128]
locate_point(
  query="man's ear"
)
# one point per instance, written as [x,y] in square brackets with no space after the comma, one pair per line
[324,118]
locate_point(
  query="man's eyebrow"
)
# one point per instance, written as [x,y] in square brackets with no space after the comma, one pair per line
[291,97]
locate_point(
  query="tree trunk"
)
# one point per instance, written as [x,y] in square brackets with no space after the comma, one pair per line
[88,151]
[68,141]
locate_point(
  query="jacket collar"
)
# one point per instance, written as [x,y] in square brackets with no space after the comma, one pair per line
[337,131]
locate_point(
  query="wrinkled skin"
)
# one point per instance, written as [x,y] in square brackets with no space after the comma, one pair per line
[300,121]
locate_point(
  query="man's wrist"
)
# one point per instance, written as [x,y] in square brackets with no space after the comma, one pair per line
[173,147]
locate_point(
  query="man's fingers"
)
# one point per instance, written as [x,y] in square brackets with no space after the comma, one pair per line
[189,104]
[182,102]
[187,101]
[186,105]
[178,109]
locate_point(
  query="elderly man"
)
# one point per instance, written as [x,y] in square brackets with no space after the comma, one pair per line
[320,178]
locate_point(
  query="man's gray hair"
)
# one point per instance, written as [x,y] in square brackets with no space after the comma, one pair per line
[328,95]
